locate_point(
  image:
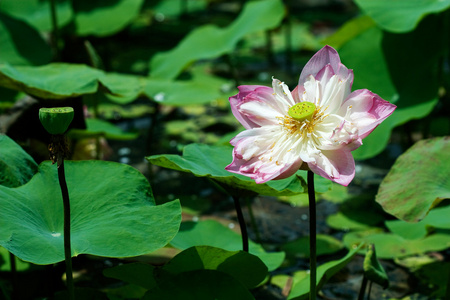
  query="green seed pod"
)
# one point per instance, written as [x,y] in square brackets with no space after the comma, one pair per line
[56,120]
[302,111]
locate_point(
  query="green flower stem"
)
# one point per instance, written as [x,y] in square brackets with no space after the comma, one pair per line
[447,291]
[252,219]
[12,263]
[241,220]
[67,246]
[55,33]
[312,237]
[362,290]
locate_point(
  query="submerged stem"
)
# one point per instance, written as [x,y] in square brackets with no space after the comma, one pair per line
[312,236]
[67,245]
[241,220]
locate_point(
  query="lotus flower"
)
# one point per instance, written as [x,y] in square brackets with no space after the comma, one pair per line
[315,127]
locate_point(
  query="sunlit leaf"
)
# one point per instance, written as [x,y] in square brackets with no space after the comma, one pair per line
[16,166]
[17,50]
[52,81]
[210,41]
[37,12]
[180,92]
[124,88]
[174,9]
[349,31]
[400,15]
[393,246]
[324,273]
[212,233]
[104,17]
[410,231]
[112,213]
[417,181]
[210,162]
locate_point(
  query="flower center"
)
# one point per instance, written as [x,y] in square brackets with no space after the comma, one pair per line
[302,111]
[302,118]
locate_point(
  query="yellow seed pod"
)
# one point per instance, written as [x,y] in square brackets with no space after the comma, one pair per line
[302,111]
[56,120]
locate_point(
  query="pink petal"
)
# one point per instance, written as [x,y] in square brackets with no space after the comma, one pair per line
[367,110]
[249,157]
[336,165]
[326,55]
[255,106]
[236,100]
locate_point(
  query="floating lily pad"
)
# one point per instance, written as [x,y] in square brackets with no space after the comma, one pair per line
[215,41]
[113,213]
[212,233]
[417,181]
[180,92]
[325,245]
[210,162]
[16,166]
[394,246]
[401,16]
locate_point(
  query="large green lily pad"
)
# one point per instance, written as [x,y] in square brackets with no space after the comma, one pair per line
[210,41]
[16,166]
[212,233]
[32,50]
[63,80]
[52,81]
[210,162]
[113,213]
[104,17]
[417,181]
[37,13]
[245,267]
[401,15]
[200,285]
